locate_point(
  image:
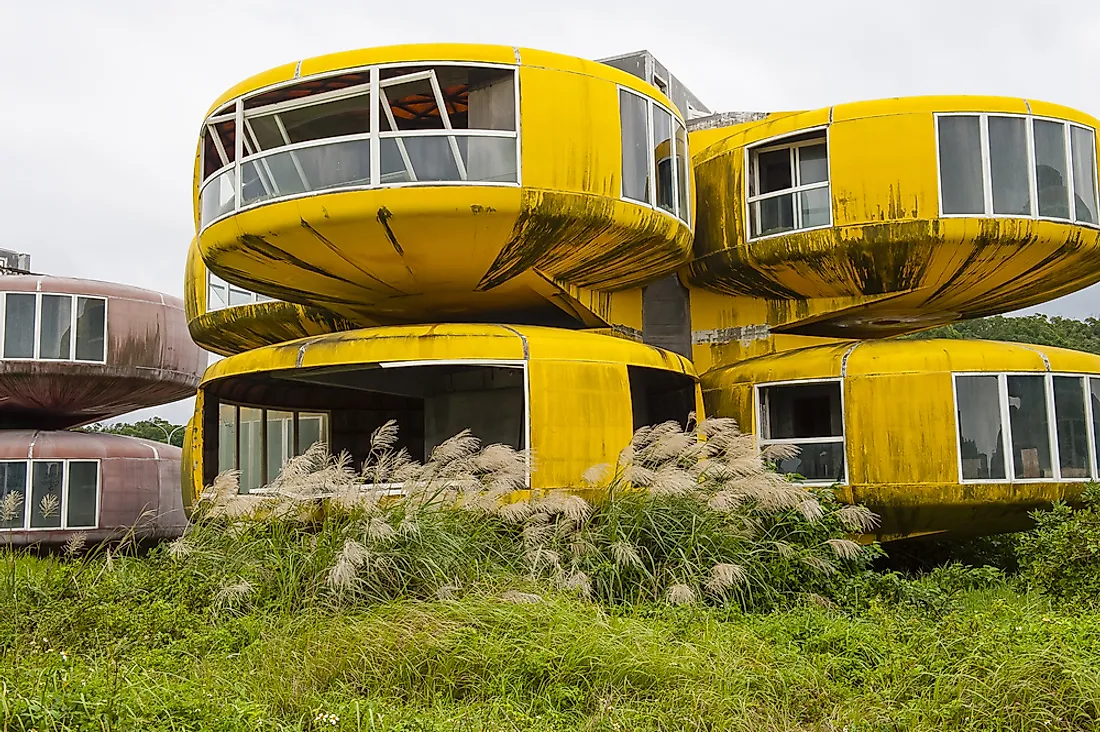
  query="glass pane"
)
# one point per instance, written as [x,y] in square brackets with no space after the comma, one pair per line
[801,410]
[814,206]
[816,461]
[91,328]
[489,159]
[279,425]
[662,157]
[1084,173]
[491,100]
[412,104]
[13,479]
[19,326]
[239,297]
[682,172]
[338,118]
[1050,169]
[421,159]
[774,171]
[217,198]
[1094,398]
[961,183]
[1071,420]
[227,437]
[1009,166]
[813,164]
[980,430]
[311,428]
[252,448]
[632,116]
[773,215]
[216,298]
[80,505]
[57,316]
[46,482]
[1027,410]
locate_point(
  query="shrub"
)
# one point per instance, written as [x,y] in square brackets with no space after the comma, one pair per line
[1060,557]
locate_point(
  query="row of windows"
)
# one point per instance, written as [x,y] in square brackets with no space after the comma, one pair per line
[50,494]
[54,327]
[220,294]
[655,155]
[1001,165]
[1027,426]
[258,442]
[1011,427]
[365,128]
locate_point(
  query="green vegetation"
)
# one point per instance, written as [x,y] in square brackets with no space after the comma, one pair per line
[1041,330]
[710,594]
[156,429]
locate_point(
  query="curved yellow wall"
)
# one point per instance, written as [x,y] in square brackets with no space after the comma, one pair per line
[889,263]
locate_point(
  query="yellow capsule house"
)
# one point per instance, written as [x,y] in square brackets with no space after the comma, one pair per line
[553,251]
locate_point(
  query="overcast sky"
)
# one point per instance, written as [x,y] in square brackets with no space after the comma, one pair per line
[104,99]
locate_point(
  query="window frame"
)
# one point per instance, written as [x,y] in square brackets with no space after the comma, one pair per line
[652,163]
[1052,426]
[212,280]
[73,311]
[773,144]
[64,505]
[1033,187]
[762,442]
[234,110]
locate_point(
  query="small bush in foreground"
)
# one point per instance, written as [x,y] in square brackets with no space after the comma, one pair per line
[1060,557]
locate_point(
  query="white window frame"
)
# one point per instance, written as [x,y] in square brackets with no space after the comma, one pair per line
[1052,426]
[246,148]
[1033,186]
[762,442]
[652,162]
[773,144]
[64,505]
[237,406]
[212,280]
[73,310]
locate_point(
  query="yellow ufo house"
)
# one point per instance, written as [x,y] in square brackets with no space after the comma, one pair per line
[548,250]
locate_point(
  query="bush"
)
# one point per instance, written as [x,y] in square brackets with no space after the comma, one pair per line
[1060,557]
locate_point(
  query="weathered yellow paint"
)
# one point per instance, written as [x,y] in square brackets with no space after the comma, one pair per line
[900,424]
[887,238]
[580,405]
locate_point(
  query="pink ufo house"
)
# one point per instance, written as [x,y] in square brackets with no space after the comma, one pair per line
[74,352]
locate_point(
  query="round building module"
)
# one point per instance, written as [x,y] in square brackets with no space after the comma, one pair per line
[933,435]
[443,182]
[77,351]
[57,484]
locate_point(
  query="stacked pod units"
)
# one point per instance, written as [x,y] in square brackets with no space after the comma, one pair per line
[76,352]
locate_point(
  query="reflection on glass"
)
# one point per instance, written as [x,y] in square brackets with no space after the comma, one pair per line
[19,325]
[801,410]
[814,207]
[217,197]
[46,483]
[251,449]
[773,215]
[216,297]
[80,501]
[54,332]
[816,461]
[632,116]
[1071,420]
[13,479]
[662,156]
[312,428]
[980,431]
[227,437]
[280,435]
[1027,409]
[1083,143]
[813,164]
[774,171]
[960,144]
[1050,169]
[682,168]
[239,297]
[1008,166]
[91,328]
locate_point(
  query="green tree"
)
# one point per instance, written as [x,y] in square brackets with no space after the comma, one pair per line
[1040,330]
[157,429]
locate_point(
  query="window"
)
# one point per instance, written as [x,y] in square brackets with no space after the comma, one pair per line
[53,494]
[655,155]
[220,294]
[363,128]
[259,441]
[41,326]
[1015,165]
[788,185]
[1051,427]
[808,415]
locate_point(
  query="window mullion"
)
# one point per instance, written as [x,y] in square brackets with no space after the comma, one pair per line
[445,118]
[651,159]
[27,495]
[987,164]
[1070,183]
[796,210]
[1090,429]
[293,155]
[64,497]
[1052,428]
[1006,429]
[1032,174]
[675,176]
[73,300]
[238,150]
[37,350]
